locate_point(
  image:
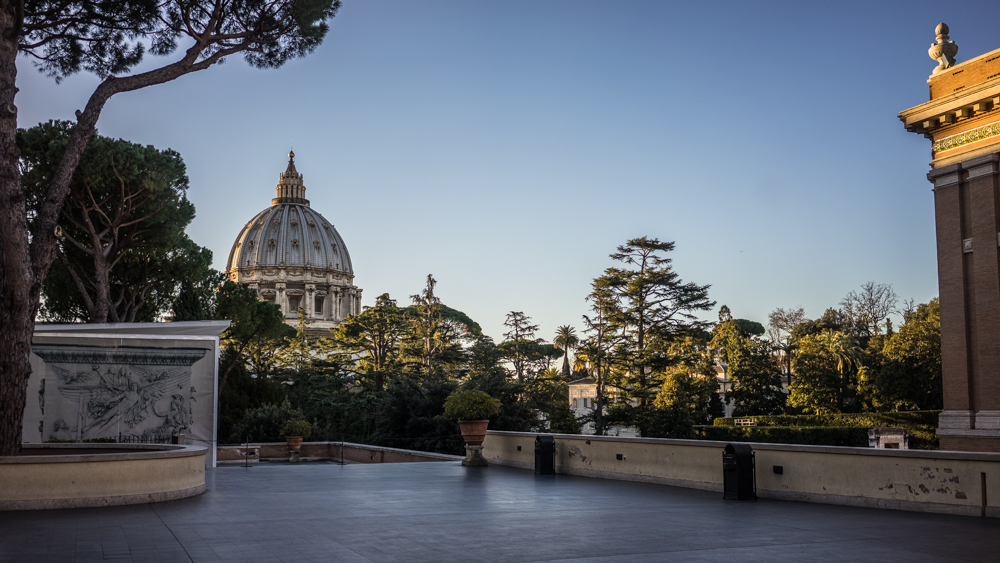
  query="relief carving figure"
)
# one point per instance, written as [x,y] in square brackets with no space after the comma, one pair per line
[127,395]
[62,431]
[41,396]
[128,392]
[175,420]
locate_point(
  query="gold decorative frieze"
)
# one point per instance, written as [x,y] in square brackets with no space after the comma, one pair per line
[970,136]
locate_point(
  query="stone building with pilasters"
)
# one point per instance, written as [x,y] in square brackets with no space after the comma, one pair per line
[295,258]
[962,122]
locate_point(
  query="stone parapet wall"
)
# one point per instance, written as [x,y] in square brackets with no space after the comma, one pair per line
[917,480]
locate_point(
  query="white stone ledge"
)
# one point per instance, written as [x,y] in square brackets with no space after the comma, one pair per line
[925,454]
[152,451]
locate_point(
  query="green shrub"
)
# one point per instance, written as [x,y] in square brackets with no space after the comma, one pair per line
[297,428]
[265,424]
[808,435]
[864,419]
[920,425]
[470,404]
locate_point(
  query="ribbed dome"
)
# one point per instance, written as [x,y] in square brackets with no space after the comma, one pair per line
[289,233]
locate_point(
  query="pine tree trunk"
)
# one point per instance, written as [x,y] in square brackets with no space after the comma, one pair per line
[18,289]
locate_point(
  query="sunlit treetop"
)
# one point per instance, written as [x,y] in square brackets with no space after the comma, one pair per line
[111,37]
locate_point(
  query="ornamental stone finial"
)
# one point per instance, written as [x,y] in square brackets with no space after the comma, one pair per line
[944,50]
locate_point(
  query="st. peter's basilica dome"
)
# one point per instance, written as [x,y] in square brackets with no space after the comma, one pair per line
[295,258]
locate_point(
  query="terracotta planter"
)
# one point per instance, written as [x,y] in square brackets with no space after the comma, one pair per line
[294,443]
[473,431]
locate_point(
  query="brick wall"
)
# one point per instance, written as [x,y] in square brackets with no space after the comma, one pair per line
[976,71]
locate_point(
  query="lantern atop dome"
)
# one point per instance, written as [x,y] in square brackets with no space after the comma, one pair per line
[290,188]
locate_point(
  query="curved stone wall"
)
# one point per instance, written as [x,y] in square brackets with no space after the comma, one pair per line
[87,475]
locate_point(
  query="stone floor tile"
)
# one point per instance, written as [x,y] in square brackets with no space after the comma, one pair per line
[444,512]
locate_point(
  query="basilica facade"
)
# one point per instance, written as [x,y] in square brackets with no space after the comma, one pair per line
[293,257]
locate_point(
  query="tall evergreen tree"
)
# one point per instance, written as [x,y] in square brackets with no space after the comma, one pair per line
[427,324]
[371,340]
[598,348]
[650,303]
[520,336]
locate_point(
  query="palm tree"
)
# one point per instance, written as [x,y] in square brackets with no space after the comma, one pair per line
[566,338]
[847,352]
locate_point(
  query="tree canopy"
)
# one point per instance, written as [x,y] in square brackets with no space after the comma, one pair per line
[123,251]
[751,365]
[910,376]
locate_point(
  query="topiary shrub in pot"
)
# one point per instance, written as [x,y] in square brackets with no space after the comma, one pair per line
[295,431]
[472,409]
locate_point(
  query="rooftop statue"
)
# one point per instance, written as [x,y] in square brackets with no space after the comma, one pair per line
[944,50]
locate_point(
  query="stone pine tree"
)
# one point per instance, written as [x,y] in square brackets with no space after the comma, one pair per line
[123,250]
[107,38]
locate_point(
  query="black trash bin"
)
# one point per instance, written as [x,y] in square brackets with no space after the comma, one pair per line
[739,477]
[545,454]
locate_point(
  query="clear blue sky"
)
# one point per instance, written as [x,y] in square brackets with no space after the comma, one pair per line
[509,147]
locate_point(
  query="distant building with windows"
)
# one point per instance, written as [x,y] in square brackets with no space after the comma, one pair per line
[725,386]
[583,401]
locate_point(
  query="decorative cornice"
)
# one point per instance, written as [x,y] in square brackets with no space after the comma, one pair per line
[966,137]
[125,355]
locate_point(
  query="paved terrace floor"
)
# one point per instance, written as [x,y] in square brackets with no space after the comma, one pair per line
[445,512]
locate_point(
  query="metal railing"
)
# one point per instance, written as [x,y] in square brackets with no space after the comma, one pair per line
[152,439]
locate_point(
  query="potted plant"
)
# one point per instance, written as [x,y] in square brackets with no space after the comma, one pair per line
[472,409]
[295,431]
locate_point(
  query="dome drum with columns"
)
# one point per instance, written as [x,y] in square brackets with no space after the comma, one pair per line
[295,258]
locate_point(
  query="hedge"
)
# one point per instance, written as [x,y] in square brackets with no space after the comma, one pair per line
[809,435]
[920,425]
[864,419]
